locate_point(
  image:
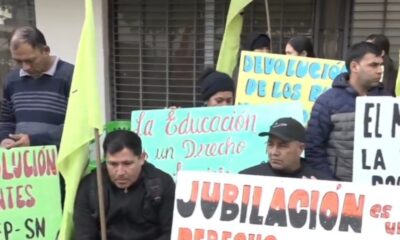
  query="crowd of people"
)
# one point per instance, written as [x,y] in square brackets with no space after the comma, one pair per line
[139,198]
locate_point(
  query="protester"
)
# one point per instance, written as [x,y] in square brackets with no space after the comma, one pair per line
[35,94]
[258,42]
[299,46]
[217,88]
[139,198]
[389,70]
[330,132]
[285,145]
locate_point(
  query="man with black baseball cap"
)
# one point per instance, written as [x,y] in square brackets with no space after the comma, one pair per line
[286,139]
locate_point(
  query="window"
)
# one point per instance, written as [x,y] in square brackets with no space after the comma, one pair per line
[159,48]
[12,14]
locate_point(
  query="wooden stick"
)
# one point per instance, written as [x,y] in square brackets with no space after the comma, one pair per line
[268,23]
[100,188]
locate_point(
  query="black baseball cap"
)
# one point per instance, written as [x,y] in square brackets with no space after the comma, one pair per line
[287,129]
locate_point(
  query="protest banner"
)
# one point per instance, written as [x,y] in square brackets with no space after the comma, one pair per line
[377,141]
[30,202]
[223,139]
[243,207]
[271,78]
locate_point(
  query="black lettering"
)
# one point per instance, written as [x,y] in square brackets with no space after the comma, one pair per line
[379,162]
[354,222]
[396,119]
[276,217]
[378,112]
[229,211]
[376,180]
[255,218]
[8,229]
[364,160]
[367,120]
[297,219]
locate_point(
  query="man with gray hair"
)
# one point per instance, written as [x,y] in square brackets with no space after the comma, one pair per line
[35,94]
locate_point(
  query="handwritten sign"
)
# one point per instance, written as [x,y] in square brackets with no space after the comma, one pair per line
[231,206]
[377,141]
[30,202]
[222,139]
[271,78]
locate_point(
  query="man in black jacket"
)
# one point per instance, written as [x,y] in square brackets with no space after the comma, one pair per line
[285,146]
[139,198]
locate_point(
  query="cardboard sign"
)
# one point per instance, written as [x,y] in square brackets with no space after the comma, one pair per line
[218,139]
[271,78]
[30,202]
[377,141]
[231,206]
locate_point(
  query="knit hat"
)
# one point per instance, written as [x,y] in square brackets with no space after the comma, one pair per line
[257,41]
[212,82]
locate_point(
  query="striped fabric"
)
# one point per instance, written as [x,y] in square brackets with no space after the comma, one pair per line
[36,106]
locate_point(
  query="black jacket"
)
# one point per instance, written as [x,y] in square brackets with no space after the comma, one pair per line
[265,169]
[144,212]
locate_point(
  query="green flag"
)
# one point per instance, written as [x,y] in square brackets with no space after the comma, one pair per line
[398,80]
[82,117]
[228,53]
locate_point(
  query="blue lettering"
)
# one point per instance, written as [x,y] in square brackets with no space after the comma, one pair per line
[314,70]
[296,92]
[302,69]
[276,93]
[287,91]
[344,69]
[248,63]
[334,71]
[325,72]
[269,65]
[258,67]
[290,70]
[251,87]
[316,90]
[280,66]
[262,86]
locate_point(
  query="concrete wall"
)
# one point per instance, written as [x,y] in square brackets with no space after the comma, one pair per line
[61,23]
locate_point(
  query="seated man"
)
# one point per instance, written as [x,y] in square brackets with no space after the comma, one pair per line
[285,145]
[139,198]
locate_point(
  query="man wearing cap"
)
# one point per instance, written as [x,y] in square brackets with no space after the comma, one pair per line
[285,146]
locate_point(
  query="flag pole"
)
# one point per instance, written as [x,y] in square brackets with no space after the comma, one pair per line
[100,188]
[268,23]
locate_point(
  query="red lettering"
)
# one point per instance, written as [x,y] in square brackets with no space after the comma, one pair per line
[216,194]
[298,196]
[212,235]
[31,201]
[257,196]
[278,199]
[231,193]
[6,175]
[226,235]
[240,236]
[375,210]
[195,191]
[330,205]
[20,200]
[350,206]
[198,234]
[169,128]
[184,234]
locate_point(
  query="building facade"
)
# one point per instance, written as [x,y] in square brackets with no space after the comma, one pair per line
[151,52]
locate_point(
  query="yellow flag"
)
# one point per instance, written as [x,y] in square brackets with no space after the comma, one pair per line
[228,53]
[82,117]
[398,79]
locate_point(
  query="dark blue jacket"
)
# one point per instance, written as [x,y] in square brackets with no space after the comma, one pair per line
[330,131]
